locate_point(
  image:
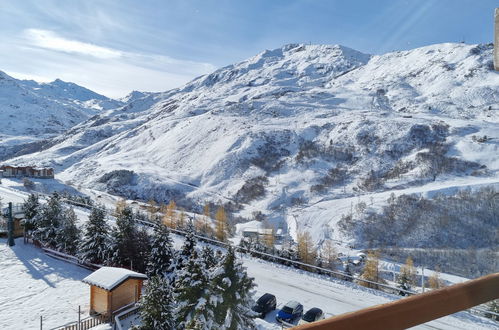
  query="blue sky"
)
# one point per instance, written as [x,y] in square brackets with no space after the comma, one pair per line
[115,46]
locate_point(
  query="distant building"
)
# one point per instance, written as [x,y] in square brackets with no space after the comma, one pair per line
[112,288]
[8,171]
[257,233]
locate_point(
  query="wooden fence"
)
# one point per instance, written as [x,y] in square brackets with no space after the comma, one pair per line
[85,324]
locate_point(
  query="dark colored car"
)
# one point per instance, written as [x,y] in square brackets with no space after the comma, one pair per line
[290,312]
[265,304]
[312,315]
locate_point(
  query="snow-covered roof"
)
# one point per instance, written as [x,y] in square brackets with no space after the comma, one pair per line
[109,278]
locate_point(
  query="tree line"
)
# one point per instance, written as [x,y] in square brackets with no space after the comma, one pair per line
[190,288]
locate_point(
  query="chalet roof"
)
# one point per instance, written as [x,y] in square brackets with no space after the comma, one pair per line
[108,278]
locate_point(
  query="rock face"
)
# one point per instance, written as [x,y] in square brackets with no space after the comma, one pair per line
[496,41]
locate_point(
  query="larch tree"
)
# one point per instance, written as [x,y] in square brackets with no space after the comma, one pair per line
[161,260]
[434,281]
[95,244]
[232,294]
[152,209]
[221,224]
[306,249]
[329,254]
[157,305]
[371,271]
[120,205]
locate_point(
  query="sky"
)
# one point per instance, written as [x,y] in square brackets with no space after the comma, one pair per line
[116,46]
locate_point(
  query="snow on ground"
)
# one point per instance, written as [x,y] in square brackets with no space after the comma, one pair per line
[33,284]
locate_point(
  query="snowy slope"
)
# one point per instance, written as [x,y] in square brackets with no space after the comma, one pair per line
[30,111]
[297,131]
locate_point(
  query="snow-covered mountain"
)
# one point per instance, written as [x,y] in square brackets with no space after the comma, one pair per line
[298,133]
[32,111]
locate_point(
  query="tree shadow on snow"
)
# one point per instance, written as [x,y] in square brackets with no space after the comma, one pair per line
[40,265]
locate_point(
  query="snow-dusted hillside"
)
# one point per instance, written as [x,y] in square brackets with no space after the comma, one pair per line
[295,131]
[32,111]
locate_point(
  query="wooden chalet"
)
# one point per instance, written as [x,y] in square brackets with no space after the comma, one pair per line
[9,171]
[112,288]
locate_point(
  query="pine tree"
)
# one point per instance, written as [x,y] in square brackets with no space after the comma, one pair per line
[221,224]
[31,208]
[151,209]
[126,239]
[306,249]
[120,205]
[231,294]
[192,289]
[208,256]
[156,305]
[162,255]
[69,234]
[95,245]
[144,246]
[348,273]
[187,250]
[48,221]
[407,276]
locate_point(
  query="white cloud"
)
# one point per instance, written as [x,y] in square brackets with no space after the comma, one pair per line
[43,55]
[50,40]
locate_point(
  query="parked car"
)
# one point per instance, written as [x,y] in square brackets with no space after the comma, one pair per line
[312,315]
[265,304]
[290,312]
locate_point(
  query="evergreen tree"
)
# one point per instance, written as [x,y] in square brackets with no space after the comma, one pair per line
[30,209]
[329,254]
[125,239]
[162,255]
[144,246]
[69,234]
[187,249]
[95,245]
[231,294]
[192,294]
[48,221]
[156,305]
[208,256]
